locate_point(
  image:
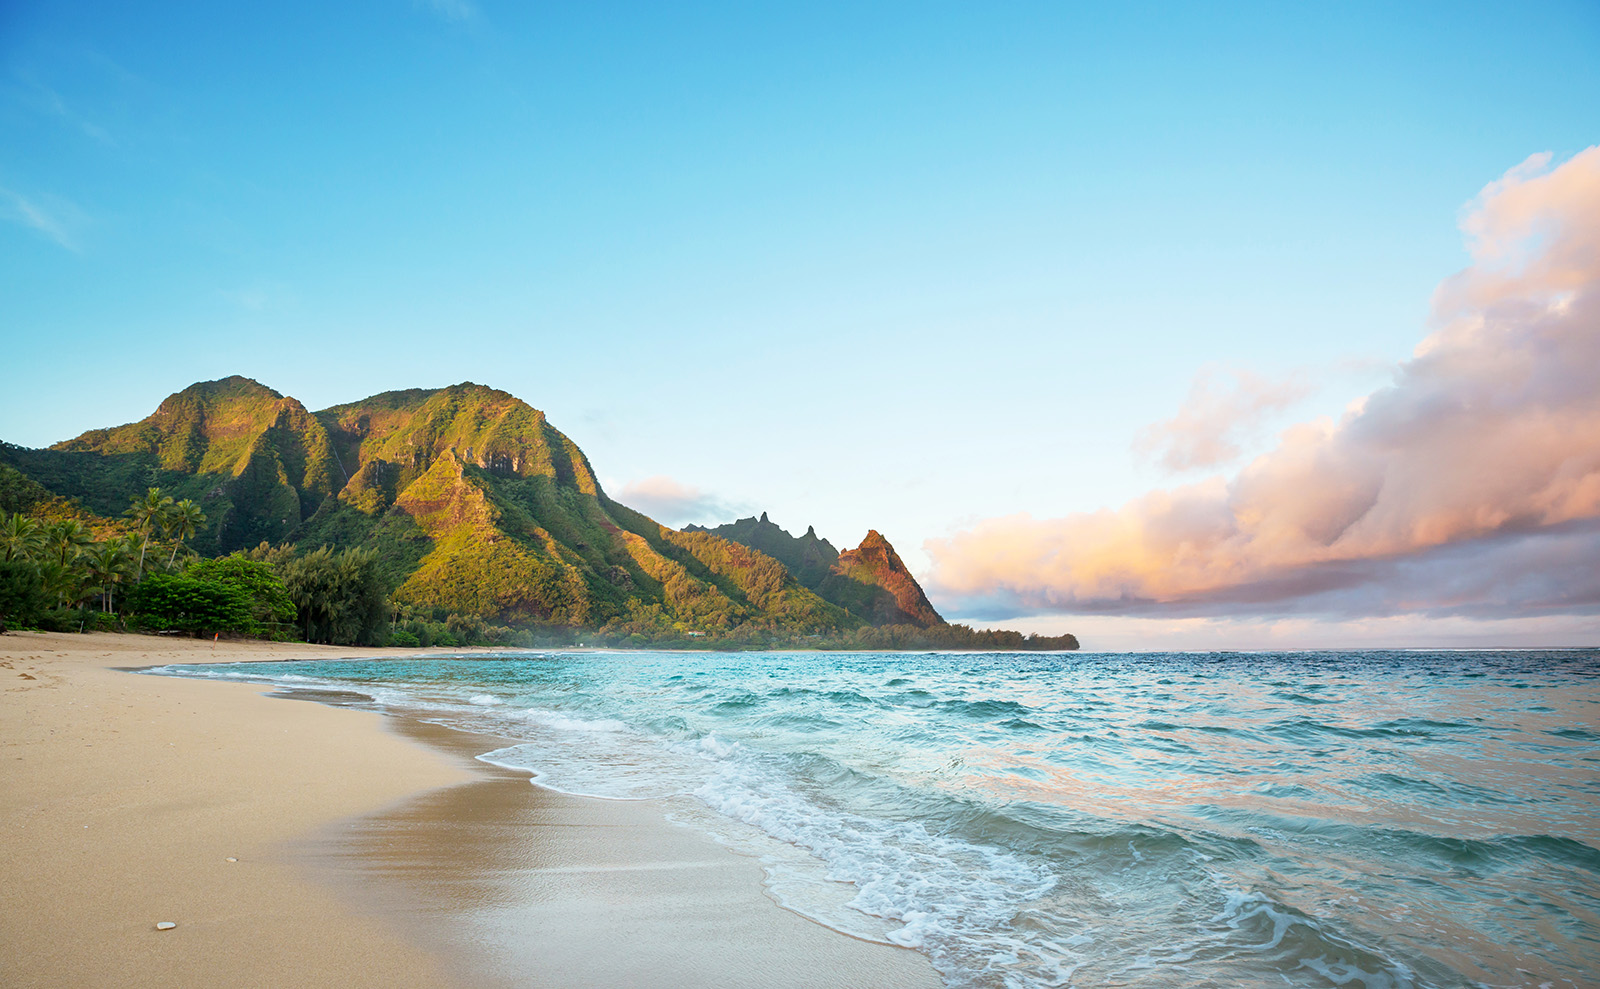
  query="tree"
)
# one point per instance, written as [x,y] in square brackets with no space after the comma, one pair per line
[339,597]
[148,513]
[181,522]
[189,604]
[64,542]
[269,602]
[109,563]
[20,538]
[22,593]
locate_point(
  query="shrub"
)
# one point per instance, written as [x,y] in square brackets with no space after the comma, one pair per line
[400,637]
[270,605]
[22,594]
[188,604]
[57,620]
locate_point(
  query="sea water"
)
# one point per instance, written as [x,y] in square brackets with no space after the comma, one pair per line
[1374,819]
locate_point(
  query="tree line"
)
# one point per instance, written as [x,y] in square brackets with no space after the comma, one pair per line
[138,573]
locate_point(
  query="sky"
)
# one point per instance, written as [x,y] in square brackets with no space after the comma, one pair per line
[1163,324]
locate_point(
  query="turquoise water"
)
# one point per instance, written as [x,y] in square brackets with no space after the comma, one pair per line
[1309,819]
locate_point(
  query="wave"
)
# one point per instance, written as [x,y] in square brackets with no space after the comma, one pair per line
[1149,821]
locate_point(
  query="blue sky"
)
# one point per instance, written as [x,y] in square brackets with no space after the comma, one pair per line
[860,265]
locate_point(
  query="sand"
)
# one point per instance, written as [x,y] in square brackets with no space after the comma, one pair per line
[123,797]
[370,851]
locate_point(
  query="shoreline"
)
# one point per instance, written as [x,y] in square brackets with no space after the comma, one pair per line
[132,800]
[547,877]
[301,844]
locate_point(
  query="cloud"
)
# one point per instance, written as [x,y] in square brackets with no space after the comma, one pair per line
[1470,484]
[40,98]
[672,503]
[58,219]
[457,11]
[1100,633]
[1216,418]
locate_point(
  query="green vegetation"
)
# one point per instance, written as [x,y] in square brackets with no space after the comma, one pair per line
[23,597]
[272,610]
[435,517]
[178,602]
[870,582]
[339,598]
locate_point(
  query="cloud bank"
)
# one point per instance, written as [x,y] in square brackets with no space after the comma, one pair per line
[1470,485]
[672,503]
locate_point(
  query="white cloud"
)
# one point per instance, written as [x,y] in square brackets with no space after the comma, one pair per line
[57,218]
[457,11]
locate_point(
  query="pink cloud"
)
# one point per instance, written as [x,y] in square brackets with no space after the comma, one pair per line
[1485,451]
[674,503]
[1217,417]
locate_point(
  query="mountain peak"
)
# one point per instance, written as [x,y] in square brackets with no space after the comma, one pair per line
[899,599]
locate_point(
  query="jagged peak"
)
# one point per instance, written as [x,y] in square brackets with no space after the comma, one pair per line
[874,541]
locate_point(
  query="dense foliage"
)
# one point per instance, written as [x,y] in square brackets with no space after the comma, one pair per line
[179,602]
[271,609]
[340,597]
[22,594]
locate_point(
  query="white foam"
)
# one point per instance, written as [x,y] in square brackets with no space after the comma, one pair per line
[950,898]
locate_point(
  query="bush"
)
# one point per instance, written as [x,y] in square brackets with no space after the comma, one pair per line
[22,594]
[270,605]
[57,620]
[182,603]
[400,637]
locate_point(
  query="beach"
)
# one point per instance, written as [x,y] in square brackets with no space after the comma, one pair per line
[297,844]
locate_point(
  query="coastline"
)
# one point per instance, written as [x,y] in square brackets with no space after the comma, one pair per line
[371,850]
[547,889]
[125,796]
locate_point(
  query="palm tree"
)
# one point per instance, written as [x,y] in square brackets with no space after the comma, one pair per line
[64,542]
[182,520]
[148,513]
[109,564]
[20,538]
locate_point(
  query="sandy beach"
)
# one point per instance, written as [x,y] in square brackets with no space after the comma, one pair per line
[298,844]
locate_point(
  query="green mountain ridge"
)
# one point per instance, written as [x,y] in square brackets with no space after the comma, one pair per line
[477,507]
[870,581]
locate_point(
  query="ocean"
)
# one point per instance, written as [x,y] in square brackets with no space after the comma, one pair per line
[1371,818]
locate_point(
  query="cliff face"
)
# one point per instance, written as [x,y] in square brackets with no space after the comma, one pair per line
[870,581]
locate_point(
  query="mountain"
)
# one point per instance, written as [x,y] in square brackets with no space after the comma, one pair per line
[258,462]
[476,504]
[870,581]
[479,509]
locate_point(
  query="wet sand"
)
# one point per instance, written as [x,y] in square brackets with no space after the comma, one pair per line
[529,887]
[370,850]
